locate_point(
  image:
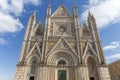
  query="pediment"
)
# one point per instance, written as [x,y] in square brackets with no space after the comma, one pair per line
[61,12]
[61,45]
[85,31]
[35,50]
[38,31]
[89,50]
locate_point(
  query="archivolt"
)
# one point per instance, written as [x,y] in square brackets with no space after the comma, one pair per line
[92,57]
[32,58]
[55,56]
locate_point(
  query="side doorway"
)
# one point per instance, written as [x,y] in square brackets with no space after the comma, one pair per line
[91,63]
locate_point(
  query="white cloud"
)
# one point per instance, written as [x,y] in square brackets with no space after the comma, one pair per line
[105,11]
[8,22]
[113,58]
[13,6]
[94,2]
[35,2]
[2,41]
[112,46]
[16,6]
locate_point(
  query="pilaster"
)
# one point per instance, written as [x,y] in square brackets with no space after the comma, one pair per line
[27,37]
[75,13]
[103,73]
[90,24]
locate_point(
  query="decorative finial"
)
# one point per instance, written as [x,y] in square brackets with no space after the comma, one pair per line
[89,13]
[49,4]
[34,13]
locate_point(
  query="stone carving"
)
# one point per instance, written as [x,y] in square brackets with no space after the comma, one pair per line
[62,12]
[61,39]
[33,67]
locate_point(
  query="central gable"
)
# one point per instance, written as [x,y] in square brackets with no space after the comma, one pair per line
[61,12]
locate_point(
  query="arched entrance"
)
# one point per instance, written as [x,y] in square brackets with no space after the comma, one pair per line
[33,66]
[63,62]
[32,71]
[62,74]
[92,69]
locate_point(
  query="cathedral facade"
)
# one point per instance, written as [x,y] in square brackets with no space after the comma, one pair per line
[62,49]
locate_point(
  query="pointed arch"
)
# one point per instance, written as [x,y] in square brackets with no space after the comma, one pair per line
[92,68]
[92,56]
[91,63]
[32,63]
[32,54]
[85,30]
[67,55]
[33,66]
[31,58]
[38,29]
[61,62]
[87,48]
[36,46]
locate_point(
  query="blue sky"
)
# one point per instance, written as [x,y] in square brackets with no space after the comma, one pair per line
[14,15]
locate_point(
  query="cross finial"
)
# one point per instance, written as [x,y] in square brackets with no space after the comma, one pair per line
[49,4]
[34,13]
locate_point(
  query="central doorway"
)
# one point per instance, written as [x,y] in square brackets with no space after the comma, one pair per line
[32,78]
[62,75]
[92,78]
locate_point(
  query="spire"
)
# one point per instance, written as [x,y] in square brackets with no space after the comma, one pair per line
[74,5]
[89,13]
[75,11]
[49,5]
[89,16]
[34,19]
[94,22]
[84,24]
[29,26]
[95,34]
[39,29]
[91,20]
[34,13]
[27,37]
[49,9]
[39,24]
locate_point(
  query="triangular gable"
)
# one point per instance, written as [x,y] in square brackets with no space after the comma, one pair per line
[88,46]
[85,31]
[83,26]
[62,44]
[36,46]
[38,29]
[61,12]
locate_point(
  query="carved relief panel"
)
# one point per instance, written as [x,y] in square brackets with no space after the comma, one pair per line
[72,29]
[61,29]
[62,12]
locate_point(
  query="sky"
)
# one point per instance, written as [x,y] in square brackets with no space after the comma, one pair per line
[14,15]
